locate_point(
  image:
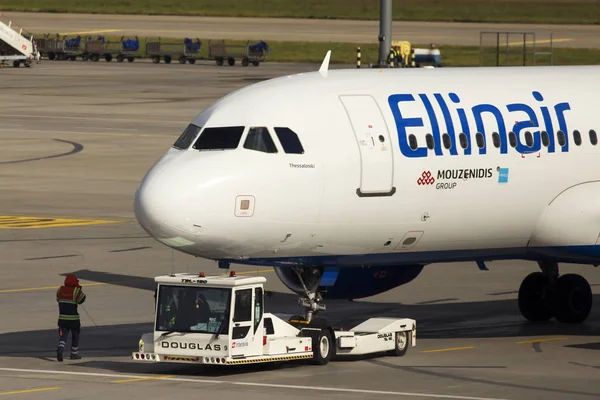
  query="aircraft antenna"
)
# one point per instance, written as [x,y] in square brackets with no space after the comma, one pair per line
[325,64]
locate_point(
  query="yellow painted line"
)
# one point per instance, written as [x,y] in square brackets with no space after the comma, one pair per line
[47,288]
[29,391]
[20,222]
[250,272]
[22,140]
[543,340]
[448,349]
[143,379]
[539,42]
[110,283]
[88,32]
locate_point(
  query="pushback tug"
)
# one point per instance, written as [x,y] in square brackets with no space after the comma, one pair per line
[220,320]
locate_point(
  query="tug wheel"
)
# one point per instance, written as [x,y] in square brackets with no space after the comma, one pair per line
[401,344]
[322,347]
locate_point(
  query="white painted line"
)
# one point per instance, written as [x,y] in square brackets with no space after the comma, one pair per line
[268,385]
[109,119]
[127,134]
[90,32]
[109,129]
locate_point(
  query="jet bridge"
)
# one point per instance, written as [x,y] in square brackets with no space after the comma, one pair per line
[16,44]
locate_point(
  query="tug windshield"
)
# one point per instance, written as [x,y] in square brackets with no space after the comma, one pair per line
[193,309]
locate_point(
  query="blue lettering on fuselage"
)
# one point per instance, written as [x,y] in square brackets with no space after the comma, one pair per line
[526,119]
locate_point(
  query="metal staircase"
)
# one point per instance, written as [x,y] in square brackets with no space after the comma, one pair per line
[16,44]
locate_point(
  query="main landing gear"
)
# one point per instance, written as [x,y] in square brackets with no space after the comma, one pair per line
[544,295]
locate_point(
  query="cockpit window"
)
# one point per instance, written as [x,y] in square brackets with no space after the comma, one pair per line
[260,140]
[289,140]
[187,137]
[221,138]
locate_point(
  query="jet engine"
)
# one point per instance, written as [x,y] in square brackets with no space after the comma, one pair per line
[351,282]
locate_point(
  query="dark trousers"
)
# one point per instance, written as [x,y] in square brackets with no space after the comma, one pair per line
[63,333]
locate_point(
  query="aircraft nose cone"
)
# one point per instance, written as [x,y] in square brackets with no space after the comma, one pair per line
[148,206]
[155,204]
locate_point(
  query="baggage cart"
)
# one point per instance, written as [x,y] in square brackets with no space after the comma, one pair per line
[188,51]
[95,49]
[124,49]
[65,49]
[44,44]
[218,50]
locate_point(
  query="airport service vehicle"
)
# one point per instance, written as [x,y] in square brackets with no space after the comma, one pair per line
[349,182]
[220,320]
[16,45]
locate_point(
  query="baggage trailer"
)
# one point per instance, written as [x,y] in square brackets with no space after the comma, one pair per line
[124,49]
[218,50]
[188,51]
[44,44]
[220,320]
[62,49]
[96,48]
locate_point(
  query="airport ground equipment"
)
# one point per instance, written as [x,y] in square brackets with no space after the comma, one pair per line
[61,49]
[254,54]
[95,49]
[430,56]
[412,57]
[123,49]
[16,45]
[188,51]
[220,320]
[69,49]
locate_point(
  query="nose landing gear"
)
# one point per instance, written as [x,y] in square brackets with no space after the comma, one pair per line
[544,295]
[312,301]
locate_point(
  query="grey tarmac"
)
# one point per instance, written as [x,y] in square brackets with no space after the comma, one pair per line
[75,140]
[312,30]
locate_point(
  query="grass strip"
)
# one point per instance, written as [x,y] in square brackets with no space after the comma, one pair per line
[511,11]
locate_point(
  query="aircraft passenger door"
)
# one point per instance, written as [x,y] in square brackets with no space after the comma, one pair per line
[245,339]
[373,139]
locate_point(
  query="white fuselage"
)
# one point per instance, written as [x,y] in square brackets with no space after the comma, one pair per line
[360,194]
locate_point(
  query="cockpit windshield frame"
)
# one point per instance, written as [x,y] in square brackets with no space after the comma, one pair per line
[185,140]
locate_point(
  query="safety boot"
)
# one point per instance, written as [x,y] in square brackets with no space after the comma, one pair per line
[59,355]
[75,357]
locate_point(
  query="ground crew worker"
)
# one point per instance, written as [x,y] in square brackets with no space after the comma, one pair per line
[391,57]
[394,56]
[69,297]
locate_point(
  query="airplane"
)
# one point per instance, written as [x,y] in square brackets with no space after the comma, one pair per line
[349,181]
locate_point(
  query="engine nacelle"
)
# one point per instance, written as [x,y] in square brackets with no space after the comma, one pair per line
[351,282]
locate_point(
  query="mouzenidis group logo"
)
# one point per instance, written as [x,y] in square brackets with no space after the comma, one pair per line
[426,179]
[447,178]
